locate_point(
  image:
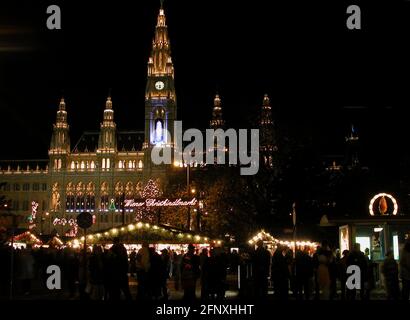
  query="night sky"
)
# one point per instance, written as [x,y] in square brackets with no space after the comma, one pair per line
[320,76]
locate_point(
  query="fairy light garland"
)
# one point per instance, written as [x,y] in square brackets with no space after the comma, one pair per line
[265,235]
[140,227]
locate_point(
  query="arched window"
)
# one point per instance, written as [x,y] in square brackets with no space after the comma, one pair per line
[119,191]
[59,164]
[90,198]
[80,197]
[130,164]
[129,190]
[70,198]
[82,165]
[104,196]
[72,165]
[103,163]
[92,165]
[108,163]
[55,197]
[140,165]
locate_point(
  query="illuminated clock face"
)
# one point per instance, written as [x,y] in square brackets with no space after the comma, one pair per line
[159,85]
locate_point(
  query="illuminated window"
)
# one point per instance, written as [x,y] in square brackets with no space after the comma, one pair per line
[140,165]
[103,163]
[130,164]
[82,165]
[72,165]
[108,163]
[92,165]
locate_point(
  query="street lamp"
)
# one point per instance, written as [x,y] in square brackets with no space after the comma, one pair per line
[188,166]
[49,222]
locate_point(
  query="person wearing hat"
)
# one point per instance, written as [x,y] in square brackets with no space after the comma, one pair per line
[189,273]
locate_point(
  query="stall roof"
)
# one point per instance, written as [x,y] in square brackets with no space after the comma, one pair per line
[139,232]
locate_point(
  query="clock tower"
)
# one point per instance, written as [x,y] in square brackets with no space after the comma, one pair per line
[160,99]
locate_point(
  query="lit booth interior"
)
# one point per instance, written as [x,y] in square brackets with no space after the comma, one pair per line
[376,235]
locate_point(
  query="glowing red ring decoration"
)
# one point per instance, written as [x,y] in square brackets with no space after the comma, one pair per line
[379,195]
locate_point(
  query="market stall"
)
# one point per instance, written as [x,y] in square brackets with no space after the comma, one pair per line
[158,236]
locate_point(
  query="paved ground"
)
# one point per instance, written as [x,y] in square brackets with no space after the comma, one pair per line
[40,293]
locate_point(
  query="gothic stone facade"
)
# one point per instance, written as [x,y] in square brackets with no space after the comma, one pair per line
[107,165]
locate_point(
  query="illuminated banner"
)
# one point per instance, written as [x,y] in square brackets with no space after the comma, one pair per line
[160,203]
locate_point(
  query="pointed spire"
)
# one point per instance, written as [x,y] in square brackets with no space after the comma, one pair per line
[266,100]
[266,116]
[107,138]
[267,135]
[61,106]
[353,135]
[160,62]
[108,103]
[217,119]
[61,119]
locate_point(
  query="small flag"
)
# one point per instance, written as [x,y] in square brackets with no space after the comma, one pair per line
[294,214]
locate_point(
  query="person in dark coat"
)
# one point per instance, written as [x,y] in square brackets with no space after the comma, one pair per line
[342,269]
[405,270]
[390,272]
[304,274]
[217,266]
[96,273]
[204,267]
[133,262]
[120,270]
[280,274]
[155,274]
[165,271]
[261,264]
[356,257]
[189,273]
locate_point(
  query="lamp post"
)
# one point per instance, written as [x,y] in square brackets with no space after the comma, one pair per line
[49,222]
[14,223]
[294,228]
[192,191]
[188,190]
[123,208]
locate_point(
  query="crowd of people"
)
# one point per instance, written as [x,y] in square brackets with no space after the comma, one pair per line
[105,273]
[319,275]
